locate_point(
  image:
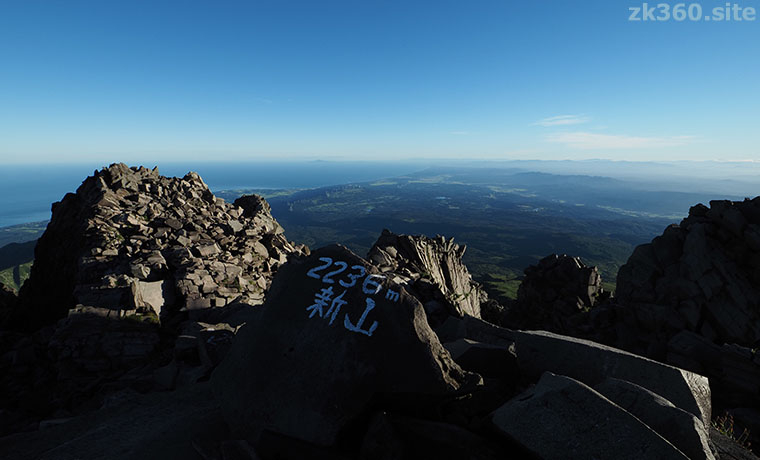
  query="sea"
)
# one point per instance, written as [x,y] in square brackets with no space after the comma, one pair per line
[28,191]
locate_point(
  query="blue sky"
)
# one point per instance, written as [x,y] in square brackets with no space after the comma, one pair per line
[141,81]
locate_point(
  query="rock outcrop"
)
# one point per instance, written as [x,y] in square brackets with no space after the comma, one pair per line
[555,293]
[691,297]
[702,275]
[140,282]
[333,336]
[132,240]
[8,301]
[432,270]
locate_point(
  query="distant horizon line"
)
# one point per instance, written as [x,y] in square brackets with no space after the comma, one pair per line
[370,160]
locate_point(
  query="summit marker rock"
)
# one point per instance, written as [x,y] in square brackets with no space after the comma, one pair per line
[333,334]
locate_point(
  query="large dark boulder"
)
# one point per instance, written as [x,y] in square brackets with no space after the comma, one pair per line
[333,335]
[563,418]
[682,429]
[538,352]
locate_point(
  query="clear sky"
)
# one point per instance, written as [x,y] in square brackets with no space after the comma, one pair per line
[221,80]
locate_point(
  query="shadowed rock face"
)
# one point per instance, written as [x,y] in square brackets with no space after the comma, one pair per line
[553,291]
[681,428]
[333,334]
[432,270]
[132,240]
[8,301]
[553,420]
[705,271]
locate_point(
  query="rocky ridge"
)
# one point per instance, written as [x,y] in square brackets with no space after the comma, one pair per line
[139,282]
[384,357]
[133,241]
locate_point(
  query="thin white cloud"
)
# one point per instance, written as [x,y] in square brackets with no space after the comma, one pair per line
[593,141]
[563,120]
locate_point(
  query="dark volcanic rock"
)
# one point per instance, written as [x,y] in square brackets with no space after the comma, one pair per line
[729,449]
[734,370]
[89,343]
[129,426]
[591,363]
[692,297]
[8,301]
[130,239]
[705,272]
[682,429]
[554,420]
[554,292]
[432,270]
[333,334]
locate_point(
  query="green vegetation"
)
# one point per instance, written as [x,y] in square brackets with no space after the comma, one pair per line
[503,286]
[16,263]
[231,195]
[14,277]
[21,233]
[506,223]
[725,425]
[149,318]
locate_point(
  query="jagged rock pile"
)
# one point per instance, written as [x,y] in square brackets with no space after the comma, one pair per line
[431,269]
[149,278]
[132,240]
[554,293]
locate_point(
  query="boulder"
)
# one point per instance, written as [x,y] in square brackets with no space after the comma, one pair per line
[155,295]
[589,362]
[563,418]
[333,334]
[680,428]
